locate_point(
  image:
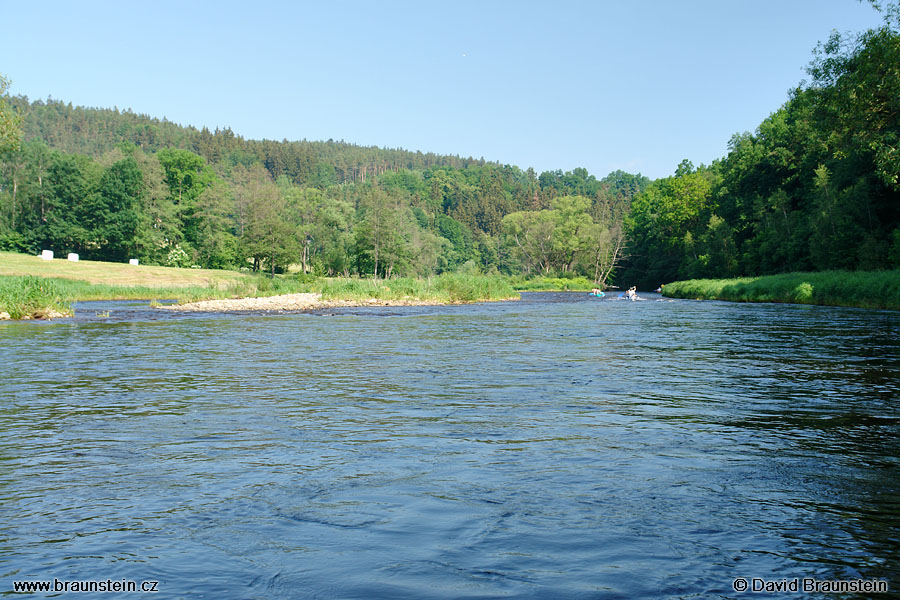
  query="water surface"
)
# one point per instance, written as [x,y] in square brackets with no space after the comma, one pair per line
[554,447]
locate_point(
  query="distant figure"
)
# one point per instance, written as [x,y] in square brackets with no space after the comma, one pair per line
[631,294]
[659,289]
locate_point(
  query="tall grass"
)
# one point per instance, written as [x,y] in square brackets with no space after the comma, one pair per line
[863,289]
[448,287]
[460,287]
[31,296]
[551,284]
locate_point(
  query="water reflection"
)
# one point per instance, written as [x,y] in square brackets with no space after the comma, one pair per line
[554,447]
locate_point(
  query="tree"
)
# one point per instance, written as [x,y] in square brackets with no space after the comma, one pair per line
[159,228]
[382,235]
[571,234]
[246,181]
[72,179]
[603,250]
[110,215]
[857,83]
[187,174]
[530,234]
[270,238]
[666,220]
[216,245]
[10,122]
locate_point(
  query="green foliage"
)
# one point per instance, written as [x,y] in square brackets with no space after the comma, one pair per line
[564,238]
[551,284]
[10,122]
[449,287]
[65,219]
[460,238]
[473,288]
[36,296]
[187,174]
[179,256]
[814,188]
[111,214]
[186,197]
[864,289]
[674,230]
[32,297]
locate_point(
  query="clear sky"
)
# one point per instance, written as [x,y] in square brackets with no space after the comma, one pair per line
[627,84]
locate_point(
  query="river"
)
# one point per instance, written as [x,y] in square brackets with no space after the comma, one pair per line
[555,447]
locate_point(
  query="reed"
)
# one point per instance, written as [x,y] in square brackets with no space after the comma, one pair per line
[551,284]
[32,297]
[445,288]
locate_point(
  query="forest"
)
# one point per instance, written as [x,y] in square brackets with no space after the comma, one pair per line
[815,187]
[113,185]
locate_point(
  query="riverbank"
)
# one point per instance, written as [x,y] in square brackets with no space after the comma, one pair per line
[34,288]
[551,284]
[32,297]
[859,289]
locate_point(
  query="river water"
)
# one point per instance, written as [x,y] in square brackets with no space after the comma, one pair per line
[555,447]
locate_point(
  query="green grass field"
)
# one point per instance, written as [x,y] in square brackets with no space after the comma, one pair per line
[872,289]
[121,274]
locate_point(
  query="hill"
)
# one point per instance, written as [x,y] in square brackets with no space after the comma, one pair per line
[113,185]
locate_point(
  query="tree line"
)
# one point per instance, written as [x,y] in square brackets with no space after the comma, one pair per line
[814,188]
[242,204]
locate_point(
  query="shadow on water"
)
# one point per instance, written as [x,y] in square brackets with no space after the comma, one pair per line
[558,446]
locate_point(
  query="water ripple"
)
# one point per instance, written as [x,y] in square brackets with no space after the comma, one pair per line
[553,447]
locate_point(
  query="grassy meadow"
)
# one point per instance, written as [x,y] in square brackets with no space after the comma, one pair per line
[862,289]
[116,274]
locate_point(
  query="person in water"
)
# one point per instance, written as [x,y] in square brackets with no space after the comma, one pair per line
[631,293]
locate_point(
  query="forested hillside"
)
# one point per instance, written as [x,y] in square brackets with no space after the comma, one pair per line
[815,187]
[114,185]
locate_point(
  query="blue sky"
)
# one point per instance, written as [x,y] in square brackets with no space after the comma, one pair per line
[635,85]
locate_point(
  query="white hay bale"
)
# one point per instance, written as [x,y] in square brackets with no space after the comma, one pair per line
[73,257]
[47,254]
[133,261]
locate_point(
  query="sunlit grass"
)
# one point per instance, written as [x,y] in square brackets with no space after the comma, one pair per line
[551,284]
[863,289]
[32,297]
[445,288]
[120,274]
